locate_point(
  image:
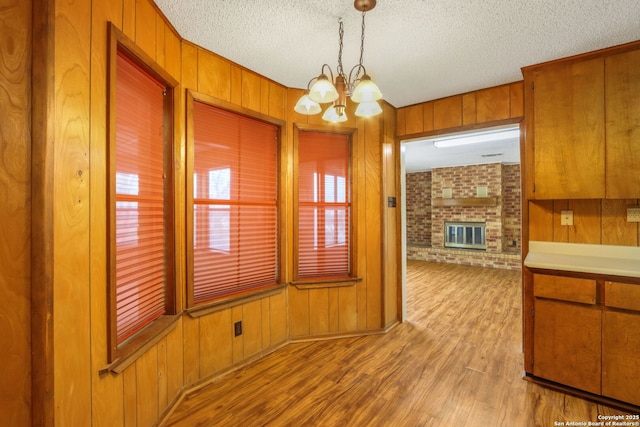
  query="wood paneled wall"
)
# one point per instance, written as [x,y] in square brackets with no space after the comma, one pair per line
[391,243]
[71,219]
[494,105]
[15,214]
[595,221]
[75,388]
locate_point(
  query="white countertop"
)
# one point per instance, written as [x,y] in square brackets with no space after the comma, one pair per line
[597,259]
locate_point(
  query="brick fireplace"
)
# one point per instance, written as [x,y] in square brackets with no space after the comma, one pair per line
[426,215]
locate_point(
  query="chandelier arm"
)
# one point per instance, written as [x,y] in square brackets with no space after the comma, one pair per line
[309,84]
[352,83]
[328,68]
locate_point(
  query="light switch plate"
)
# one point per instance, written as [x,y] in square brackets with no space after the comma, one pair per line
[633,213]
[566,218]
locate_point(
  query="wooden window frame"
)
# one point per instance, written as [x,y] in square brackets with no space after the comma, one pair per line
[122,353]
[321,282]
[193,308]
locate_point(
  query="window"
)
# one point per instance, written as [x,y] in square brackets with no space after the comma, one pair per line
[234,209]
[324,207]
[141,249]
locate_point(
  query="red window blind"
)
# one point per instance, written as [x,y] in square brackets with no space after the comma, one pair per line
[234,203]
[323,205]
[140,195]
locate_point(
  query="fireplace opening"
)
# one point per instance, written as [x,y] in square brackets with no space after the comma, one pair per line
[465,235]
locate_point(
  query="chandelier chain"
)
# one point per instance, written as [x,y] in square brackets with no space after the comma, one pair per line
[361,43]
[341,35]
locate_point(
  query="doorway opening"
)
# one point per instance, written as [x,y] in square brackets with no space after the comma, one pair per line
[462,178]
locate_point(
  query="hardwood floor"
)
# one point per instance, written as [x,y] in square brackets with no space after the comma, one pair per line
[456,361]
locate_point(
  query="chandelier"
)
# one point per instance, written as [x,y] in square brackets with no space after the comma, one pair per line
[360,88]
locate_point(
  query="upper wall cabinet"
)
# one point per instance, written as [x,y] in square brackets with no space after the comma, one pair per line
[622,88]
[582,116]
[566,126]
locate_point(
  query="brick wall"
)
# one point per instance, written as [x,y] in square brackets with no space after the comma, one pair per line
[503,222]
[511,208]
[463,182]
[418,194]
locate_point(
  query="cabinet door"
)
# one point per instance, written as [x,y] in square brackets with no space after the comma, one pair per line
[622,78]
[621,356]
[568,130]
[566,344]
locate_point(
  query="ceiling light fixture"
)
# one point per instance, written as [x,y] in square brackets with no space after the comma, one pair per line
[456,140]
[361,89]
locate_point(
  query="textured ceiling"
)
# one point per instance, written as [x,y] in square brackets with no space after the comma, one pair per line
[415,50]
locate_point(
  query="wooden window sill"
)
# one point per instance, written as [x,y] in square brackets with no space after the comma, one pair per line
[131,350]
[326,283]
[234,300]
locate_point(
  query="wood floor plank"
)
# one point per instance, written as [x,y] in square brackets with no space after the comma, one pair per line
[456,361]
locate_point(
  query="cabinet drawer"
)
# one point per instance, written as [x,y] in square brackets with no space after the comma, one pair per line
[564,288]
[622,295]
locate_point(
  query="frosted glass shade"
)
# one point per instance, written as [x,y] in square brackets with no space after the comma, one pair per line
[366,91]
[306,105]
[323,90]
[368,109]
[331,115]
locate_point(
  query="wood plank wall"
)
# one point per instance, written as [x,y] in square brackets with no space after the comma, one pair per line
[595,221]
[486,107]
[71,222]
[392,232]
[15,214]
[197,348]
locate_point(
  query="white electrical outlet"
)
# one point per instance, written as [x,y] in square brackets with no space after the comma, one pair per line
[566,218]
[633,213]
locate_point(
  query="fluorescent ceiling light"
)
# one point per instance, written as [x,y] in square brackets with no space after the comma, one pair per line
[476,137]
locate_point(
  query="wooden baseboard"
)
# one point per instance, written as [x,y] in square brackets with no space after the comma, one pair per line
[617,404]
[172,407]
[337,336]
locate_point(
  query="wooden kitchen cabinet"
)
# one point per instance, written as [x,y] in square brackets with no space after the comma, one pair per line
[586,335]
[566,346]
[565,122]
[622,83]
[621,356]
[621,342]
[567,335]
[582,126]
